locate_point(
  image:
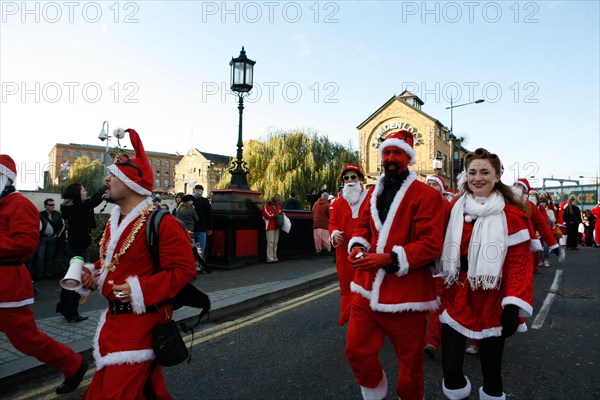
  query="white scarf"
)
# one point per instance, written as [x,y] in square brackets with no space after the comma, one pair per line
[488,244]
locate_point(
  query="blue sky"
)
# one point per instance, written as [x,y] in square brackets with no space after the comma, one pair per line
[162,68]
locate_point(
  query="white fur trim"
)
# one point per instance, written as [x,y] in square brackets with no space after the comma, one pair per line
[335,232]
[137,296]
[526,310]
[400,144]
[457,394]
[445,318]
[83,291]
[402,260]
[518,237]
[359,240]
[12,175]
[377,393]
[553,247]
[356,206]
[15,304]
[535,245]
[113,169]
[384,228]
[373,297]
[484,396]
[525,189]
[120,357]
[438,181]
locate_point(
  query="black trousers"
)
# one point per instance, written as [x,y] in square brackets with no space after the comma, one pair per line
[453,357]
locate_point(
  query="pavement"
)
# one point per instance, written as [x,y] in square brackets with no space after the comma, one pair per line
[231,292]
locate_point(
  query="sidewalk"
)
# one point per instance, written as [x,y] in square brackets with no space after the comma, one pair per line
[230,291]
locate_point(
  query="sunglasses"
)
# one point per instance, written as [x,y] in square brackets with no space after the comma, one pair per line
[348,177]
[50,205]
[123,159]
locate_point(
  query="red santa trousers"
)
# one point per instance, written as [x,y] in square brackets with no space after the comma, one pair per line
[367,330]
[434,326]
[345,275]
[19,326]
[128,381]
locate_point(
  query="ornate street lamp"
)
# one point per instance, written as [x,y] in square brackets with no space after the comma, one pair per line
[242,74]
[104,135]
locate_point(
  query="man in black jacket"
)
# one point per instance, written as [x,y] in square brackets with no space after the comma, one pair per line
[50,230]
[204,211]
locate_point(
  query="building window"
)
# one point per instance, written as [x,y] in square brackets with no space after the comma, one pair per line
[158,172]
[99,156]
[157,162]
[167,183]
[167,163]
[66,154]
[150,161]
[167,173]
[445,163]
[157,182]
[438,131]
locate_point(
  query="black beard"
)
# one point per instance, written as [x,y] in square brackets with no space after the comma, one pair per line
[392,173]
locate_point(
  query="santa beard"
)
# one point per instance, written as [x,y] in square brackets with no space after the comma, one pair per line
[351,192]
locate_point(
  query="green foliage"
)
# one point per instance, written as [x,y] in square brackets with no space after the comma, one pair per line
[294,161]
[85,171]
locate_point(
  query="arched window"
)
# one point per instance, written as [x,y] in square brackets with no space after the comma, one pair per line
[66,154]
[77,154]
[89,155]
[158,162]
[167,163]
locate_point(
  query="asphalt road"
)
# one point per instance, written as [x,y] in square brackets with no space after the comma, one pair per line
[294,349]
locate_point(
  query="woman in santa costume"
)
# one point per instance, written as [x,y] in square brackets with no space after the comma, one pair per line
[395,242]
[19,237]
[434,327]
[487,264]
[342,219]
[138,298]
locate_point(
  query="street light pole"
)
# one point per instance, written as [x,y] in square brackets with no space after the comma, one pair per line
[453,137]
[105,135]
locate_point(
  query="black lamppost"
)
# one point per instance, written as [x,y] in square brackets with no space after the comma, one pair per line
[104,135]
[241,83]
[459,105]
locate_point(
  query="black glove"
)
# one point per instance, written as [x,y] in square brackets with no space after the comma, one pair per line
[510,320]
[555,251]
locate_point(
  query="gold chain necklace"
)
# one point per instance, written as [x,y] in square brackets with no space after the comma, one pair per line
[128,241]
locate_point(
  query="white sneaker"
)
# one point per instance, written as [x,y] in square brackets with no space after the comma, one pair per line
[472,349]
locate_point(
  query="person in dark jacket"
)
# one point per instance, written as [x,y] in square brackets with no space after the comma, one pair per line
[204,212]
[572,217]
[292,203]
[78,211]
[51,227]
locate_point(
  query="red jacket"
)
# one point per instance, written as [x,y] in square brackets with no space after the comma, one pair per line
[320,213]
[269,215]
[540,224]
[19,238]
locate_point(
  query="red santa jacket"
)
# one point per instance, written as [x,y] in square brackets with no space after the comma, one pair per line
[127,338]
[476,313]
[19,238]
[414,230]
[343,218]
[540,224]
[269,213]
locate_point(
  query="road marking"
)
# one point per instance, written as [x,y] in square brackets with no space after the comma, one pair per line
[47,392]
[539,320]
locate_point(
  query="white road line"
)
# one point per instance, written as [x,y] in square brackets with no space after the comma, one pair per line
[539,320]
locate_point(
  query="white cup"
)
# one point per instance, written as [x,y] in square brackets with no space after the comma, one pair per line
[72,280]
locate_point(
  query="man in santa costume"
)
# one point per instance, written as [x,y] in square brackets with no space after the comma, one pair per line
[343,217]
[138,298]
[539,223]
[395,242]
[19,237]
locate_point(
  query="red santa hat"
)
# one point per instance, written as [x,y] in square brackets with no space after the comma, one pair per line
[136,172]
[402,139]
[439,180]
[8,167]
[524,183]
[352,167]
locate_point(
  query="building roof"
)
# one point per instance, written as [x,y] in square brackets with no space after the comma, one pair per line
[103,148]
[215,158]
[399,98]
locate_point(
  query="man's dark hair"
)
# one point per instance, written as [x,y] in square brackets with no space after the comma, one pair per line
[47,201]
[199,187]
[73,192]
[293,194]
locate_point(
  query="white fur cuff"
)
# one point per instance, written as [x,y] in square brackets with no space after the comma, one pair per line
[137,297]
[457,394]
[526,310]
[402,260]
[359,240]
[376,393]
[485,396]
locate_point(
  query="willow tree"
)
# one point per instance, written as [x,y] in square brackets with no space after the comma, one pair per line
[90,173]
[294,161]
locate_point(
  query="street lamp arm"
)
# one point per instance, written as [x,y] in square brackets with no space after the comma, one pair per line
[466,104]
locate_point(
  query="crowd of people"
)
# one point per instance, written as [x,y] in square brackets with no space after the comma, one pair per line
[431,270]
